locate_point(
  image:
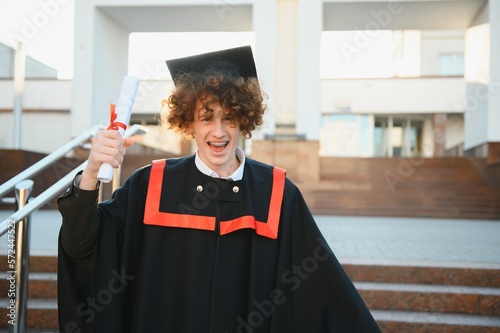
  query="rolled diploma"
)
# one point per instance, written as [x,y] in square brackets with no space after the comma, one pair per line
[123,110]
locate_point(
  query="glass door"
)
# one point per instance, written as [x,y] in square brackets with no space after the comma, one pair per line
[397,136]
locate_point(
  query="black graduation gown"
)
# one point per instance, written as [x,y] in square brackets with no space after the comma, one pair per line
[204,262]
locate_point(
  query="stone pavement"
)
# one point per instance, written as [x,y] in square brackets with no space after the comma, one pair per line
[412,240]
[356,239]
[45,226]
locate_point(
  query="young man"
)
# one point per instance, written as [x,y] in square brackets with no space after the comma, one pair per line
[212,242]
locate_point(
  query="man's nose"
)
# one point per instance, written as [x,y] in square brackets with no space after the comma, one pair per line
[218,130]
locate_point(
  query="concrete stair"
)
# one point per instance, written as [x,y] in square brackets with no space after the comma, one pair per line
[435,187]
[42,294]
[430,298]
[402,298]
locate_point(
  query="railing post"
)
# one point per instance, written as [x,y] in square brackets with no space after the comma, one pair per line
[22,246]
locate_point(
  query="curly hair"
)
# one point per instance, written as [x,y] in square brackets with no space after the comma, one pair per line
[239,97]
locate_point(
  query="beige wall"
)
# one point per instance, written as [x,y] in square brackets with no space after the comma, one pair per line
[299,158]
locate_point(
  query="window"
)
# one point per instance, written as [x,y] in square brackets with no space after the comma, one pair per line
[451,64]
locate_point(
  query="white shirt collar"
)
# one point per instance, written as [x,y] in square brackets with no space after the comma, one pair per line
[235,176]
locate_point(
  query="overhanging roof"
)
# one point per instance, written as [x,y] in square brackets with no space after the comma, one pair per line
[405,15]
[181,18]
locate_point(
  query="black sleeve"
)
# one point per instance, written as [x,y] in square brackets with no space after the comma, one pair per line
[79,210]
[90,243]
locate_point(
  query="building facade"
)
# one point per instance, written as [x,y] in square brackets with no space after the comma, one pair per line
[438,94]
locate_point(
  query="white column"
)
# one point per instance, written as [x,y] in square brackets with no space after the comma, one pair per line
[264,26]
[390,134]
[101,60]
[310,23]
[482,103]
[286,62]
[407,137]
[494,84]
[81,96]
[19,81]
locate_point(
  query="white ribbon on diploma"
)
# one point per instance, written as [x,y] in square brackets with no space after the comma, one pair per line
[120,117]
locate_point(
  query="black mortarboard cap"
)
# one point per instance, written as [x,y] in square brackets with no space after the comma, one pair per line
[237,61]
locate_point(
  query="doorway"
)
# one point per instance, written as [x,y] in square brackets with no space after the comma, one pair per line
[397,136]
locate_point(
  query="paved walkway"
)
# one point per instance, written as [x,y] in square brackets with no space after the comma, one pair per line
[412,240]
[357,239]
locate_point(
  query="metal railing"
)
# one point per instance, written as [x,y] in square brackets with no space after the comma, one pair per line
[49,159]
[20,220]
[57,188]
[20,249]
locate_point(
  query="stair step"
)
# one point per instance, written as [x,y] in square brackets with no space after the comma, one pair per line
[365,185]
[416,195]
[373,198]
[41,314]
[431,298]
[403,298]
[411,321]
[351,186]
[39,285]
[409,210]
[43,285]
[422,213]
[404,187]
[36,330]
[38,263]
[390,205]
[330,196]
[471,275]
[404,211]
